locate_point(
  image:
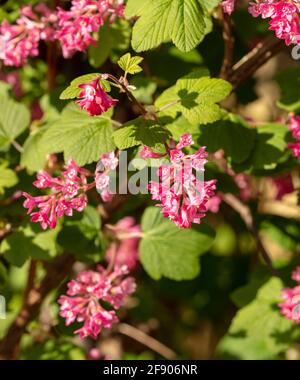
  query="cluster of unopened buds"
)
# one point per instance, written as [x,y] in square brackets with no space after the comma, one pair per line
[93,298]
[74,29]
[181,190]
[294,127]
[290,307]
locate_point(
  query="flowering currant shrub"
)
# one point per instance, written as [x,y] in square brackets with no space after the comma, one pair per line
[149,179]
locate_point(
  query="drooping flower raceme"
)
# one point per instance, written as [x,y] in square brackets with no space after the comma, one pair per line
[74,29]
[284,17]
[67,193]
[290,307]
[124,248]
[181,190]
[107,163]
[94,99]
[21,40]
[86,294]
[294,127]
[77,26]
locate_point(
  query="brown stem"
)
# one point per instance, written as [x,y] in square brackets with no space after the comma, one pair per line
[246,215]
[146,340]
[129,94]
[252,61]
[228,46]
[9,346]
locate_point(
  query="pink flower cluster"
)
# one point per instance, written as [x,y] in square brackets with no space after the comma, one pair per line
[107,163]
[85,294]
[181,190]
[67,194]
[290,307]
[94,99]
[284,15]
[124,248]
[21,40]
[76,26]
[228,6]
[294,127]
[73,29]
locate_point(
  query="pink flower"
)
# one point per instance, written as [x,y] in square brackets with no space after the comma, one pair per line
[108,162]
[294,127]
[290,307]
[181,190]
[124,249]
[296,275]
[228,6]
[94,99]
[67,194]
[146,152]
[284,15]
[20,41]
[77,26]
[243,181]
[83,302]
[213,204]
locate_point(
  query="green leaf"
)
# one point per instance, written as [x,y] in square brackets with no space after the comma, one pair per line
[195,96]
[233,136]
[79,136]
[198,95]
[73,90]
[4,89]
[260,325]
[270,146]
[130,64]
[3,275]
[289,82]
[188,24]
[14,119]
[17,248]
[140,132]
[182,21]
[169,96]
[166,250]
[53,350]
[30,242]
[145,89]
[8,178]
[135,7]
[34,154]
[210,4]
[112,39]
[88,245]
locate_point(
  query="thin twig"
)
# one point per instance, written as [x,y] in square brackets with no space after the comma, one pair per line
[228,46]
[146,340]
[16,145]
[252,61]
[245,213]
